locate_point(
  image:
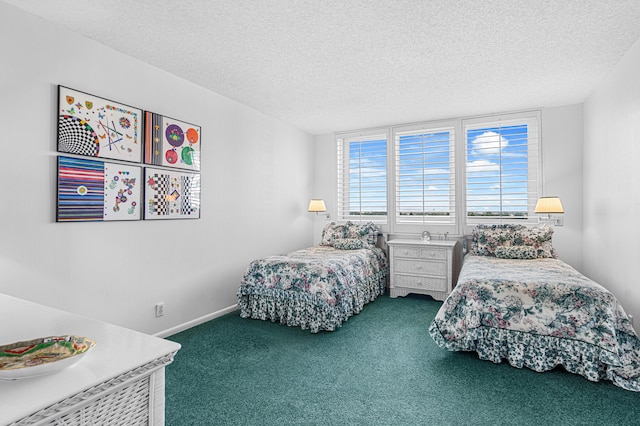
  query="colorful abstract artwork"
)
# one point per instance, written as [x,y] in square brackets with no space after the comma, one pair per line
[171,194]
[171,143]
[96,127]
[90,190]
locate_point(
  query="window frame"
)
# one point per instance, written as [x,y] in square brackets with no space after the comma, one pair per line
[445,224]
[534,164]
[343,196]
[461,224]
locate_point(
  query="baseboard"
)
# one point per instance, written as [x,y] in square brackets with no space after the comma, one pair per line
[197,321]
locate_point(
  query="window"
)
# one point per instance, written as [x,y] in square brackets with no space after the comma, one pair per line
[502,169]
[425,176]
[362,177]
[444,177]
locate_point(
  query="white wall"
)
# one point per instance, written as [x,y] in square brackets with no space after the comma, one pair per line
[611,250]
[562,157]
[325,181]
[562,176]
[257,177]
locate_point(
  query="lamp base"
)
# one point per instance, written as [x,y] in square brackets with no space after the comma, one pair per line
[552,220]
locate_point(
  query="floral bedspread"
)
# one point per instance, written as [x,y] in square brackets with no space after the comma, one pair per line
[316,288]
[539,313]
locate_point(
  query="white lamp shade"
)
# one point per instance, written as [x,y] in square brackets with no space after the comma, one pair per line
[317,205]
[549,205]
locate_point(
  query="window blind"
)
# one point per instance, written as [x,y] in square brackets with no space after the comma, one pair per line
[502,170]
[362,178]
[425,176]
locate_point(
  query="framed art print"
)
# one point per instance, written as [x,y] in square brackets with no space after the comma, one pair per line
[171,143]
[91,190]
[97,127]
[171,194]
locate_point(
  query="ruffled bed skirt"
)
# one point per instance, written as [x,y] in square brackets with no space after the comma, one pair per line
[298,309]
[544,353]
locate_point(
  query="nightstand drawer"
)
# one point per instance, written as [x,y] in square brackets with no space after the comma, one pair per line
[421,253]
[408,252]
[433,253]
[413,266]
[424,283]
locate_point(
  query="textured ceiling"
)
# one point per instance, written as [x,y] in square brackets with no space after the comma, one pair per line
[331,65]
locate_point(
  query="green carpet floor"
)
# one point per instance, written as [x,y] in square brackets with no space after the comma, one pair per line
[380,368]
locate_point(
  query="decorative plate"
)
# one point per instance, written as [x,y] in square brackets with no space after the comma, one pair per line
[41,356]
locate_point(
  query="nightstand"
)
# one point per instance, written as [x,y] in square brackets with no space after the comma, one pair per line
[423,267]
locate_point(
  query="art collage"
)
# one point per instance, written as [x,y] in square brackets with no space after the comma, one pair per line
[99,190]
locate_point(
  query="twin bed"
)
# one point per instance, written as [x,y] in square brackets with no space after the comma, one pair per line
[514,300]
[317,288]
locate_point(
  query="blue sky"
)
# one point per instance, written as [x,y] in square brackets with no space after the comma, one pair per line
[492,150]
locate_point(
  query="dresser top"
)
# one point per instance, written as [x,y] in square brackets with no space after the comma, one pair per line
[117,351]
[416,242]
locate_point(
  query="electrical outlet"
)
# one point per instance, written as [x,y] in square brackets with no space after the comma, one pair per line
[159,309]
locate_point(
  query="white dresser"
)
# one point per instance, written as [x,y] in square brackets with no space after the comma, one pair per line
[423,267]
[120,381]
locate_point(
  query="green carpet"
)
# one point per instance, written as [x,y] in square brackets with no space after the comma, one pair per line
[380,368]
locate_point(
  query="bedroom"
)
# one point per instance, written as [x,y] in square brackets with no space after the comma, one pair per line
[589,160]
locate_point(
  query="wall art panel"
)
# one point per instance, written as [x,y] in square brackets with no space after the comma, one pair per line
[171,143]
[171,194]
[97,127]
[90,190]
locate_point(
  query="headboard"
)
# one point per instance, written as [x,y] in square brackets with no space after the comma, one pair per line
[381,243]
[466,243]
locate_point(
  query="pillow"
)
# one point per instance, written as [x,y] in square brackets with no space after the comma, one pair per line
[487,238]
[540,238]
[332,232]
[367,232]
[349,244]
[516,252]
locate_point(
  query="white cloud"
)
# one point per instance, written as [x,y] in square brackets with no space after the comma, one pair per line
[489,143]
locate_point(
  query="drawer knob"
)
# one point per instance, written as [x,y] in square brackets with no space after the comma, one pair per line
[405,252]
[419,267]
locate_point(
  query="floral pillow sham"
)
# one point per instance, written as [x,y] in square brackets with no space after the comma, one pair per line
[501,240]
[367,232]
[347,234]
[331,233]
[350,244]
[516,252]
